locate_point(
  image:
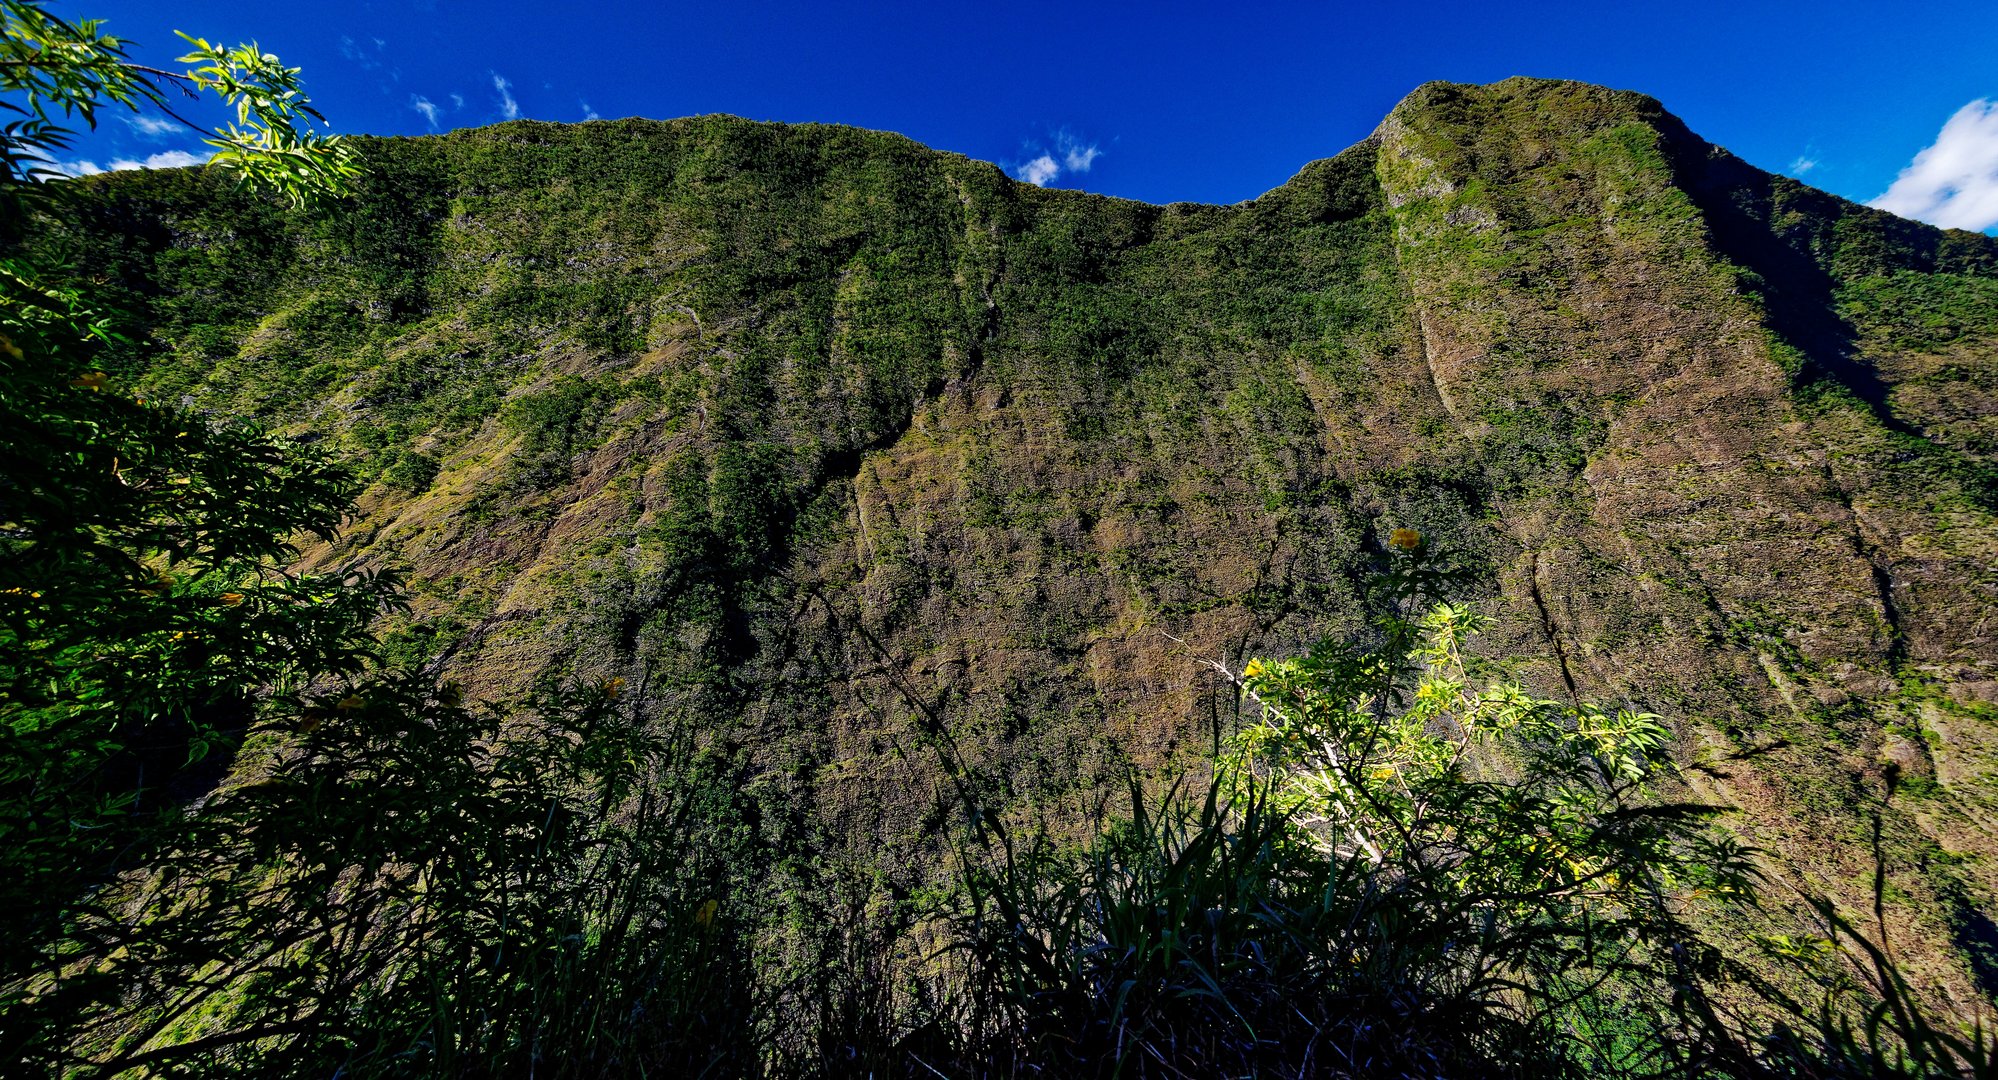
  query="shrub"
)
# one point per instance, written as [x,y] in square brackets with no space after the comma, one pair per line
[1392,872]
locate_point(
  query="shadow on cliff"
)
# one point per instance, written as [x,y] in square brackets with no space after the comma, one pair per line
[1742,204]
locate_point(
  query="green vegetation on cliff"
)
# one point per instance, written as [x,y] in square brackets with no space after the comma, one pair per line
[869,486]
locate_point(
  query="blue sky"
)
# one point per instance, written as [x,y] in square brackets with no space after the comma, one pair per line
[1161,102]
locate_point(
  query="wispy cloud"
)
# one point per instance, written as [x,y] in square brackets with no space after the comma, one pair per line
[1069,152]
[1804,163]
[152,127]
[1075,153]
[427,108]
[165,159]
[1954,182]
[588,113]
[358,52]
[1039,172]
[457,101]
[369,54]
[509,108]
[73,168]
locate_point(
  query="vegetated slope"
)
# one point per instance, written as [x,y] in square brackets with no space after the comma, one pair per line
[844,446]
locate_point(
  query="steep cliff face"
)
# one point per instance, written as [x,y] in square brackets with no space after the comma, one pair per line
[843,445]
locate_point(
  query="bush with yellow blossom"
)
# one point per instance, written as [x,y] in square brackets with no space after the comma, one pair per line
[1401,869]
[1523,838]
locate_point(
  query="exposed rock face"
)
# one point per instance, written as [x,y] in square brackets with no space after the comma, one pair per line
[837,444]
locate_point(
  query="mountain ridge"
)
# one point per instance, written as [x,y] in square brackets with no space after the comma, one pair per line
[794,426]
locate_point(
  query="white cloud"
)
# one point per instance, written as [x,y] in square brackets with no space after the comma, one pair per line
[457,101]
[1802,165]
[165,159]
[152,127]
[1069,154]
[1075,153]
[359,53]
[588,113]
[1039,172]
[508,106]
[425,106]
[1954,182]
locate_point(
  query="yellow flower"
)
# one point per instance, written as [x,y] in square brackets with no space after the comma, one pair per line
[7,346]
[612,687]
[92,381]
[1254,669]
[1405,539]
[705,914]
[230,599]
[351,703]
